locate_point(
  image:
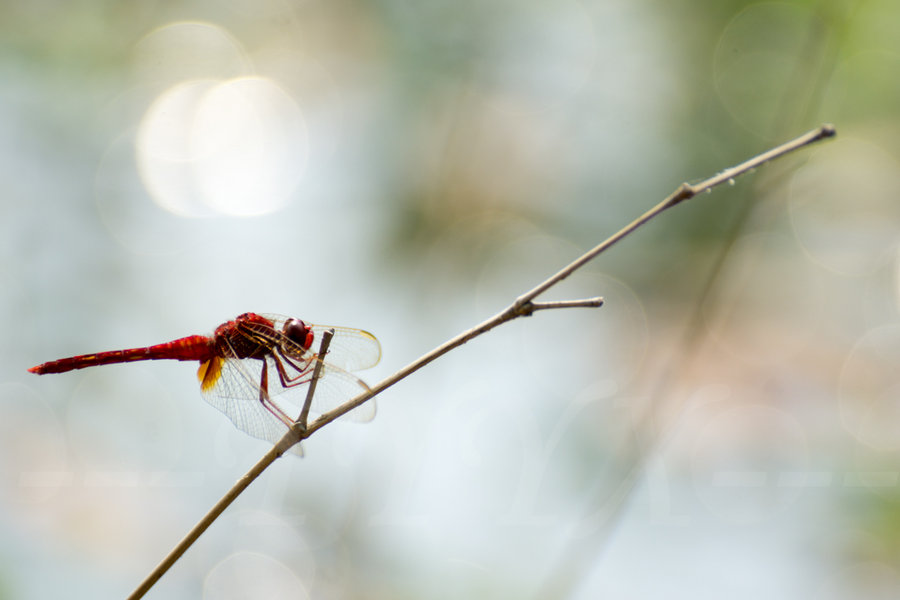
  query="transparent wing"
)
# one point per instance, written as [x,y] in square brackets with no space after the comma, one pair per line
[350,350]
[236,394]
[233,385]
[335,387]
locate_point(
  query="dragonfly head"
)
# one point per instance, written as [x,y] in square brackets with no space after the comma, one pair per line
[298,332]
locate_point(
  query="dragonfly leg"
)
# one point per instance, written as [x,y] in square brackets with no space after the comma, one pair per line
[266,401]
[286,379]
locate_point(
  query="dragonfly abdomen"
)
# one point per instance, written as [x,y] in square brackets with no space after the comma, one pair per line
[195,347]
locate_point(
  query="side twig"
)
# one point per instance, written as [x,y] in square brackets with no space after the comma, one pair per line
[523,306]
[586,303]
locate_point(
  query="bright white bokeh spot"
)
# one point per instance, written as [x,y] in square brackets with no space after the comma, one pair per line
[236,147]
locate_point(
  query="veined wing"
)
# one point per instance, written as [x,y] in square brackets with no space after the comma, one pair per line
[350,349]
[231,385]
[236,392]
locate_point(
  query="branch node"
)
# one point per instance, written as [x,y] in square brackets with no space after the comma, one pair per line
[526,309]
[296,434]
[684,192]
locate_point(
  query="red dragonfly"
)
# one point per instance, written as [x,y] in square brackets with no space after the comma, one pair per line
[256,369]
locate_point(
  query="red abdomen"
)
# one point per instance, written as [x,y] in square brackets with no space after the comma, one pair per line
[195,347]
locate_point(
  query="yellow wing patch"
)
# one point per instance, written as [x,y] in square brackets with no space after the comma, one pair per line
[209,373]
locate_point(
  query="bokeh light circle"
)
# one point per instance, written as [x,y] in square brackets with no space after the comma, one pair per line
[187,50]
[843,205]
[870,389]
[210,147]
[750,460]
[252,575]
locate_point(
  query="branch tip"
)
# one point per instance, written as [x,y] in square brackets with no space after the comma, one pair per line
[582,303]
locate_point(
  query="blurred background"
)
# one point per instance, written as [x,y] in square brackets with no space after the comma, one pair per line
[725,426]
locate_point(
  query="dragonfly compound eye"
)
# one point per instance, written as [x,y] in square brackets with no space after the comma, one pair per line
[297,331]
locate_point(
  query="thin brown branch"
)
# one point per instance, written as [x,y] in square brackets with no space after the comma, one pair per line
[521,307]
[206,521]
[292,437]
[684,192]
[323,349]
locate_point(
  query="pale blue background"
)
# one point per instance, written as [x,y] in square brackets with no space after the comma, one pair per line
[448,157]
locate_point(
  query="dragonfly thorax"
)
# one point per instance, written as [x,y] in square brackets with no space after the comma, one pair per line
[248,336]
[238,345]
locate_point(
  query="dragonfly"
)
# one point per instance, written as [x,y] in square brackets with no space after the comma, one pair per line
[256,369]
